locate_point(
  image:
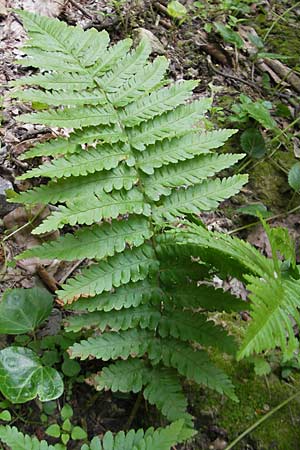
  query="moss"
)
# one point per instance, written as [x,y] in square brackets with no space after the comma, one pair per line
[269,184]
[257,395]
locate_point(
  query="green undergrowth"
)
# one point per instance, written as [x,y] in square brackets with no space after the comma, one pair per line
[257,396]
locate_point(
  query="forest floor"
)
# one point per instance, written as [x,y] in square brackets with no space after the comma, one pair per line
[255,59]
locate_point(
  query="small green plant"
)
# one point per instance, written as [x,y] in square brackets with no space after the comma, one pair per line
[66,430]
[177,10]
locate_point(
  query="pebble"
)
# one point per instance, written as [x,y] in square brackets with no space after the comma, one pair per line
[5,207]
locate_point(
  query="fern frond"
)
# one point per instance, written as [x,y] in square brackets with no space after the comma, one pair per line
[203,197]
[274,302]
[124,376]
[66,190]
[131,265]
[186,173]
[193,364]
[57,98]
[54,147]
[191,326]
[162,439]
[113,345]
[144,316]
[180,149]
[98,241]
[131,294]
[100,158]
[144,81]
[72,117]
[126,68]
[164,390]
[16,440]
[189,295]
[57,81]
[168,125]
[157,103]
[110,58]
[229,255]
[94,209]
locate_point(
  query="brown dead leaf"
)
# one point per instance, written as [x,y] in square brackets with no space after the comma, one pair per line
[50,8]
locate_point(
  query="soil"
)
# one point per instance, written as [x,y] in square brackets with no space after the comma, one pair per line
[196,51]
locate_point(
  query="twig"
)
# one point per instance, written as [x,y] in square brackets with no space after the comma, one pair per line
[81,9]
[47,279]
[70,271]
[235,78]
[134,410]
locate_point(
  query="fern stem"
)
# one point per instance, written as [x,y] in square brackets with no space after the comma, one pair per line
[261,420]
[134,410]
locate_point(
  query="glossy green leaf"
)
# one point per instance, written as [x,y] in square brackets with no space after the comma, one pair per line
[294,177]
[66,412]
[255,209]
[23,310]
[230,36]
[23,377]
[5,416]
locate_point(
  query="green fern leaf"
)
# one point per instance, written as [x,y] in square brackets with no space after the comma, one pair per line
[187,173]
[57,81]
[53,147]
[94,209]
[165,392]
[111,57]
[72,117]
[124,376]
[126,68]
[144,80]
[19,441]
[180,149]
[144,316]
[193,364]
[131,265]
[168,125]
[132,294]
[98,241]
[113,345]
[66,190]
[157,103]
[190,326]
[102,157]
[162,439]
[203,197]
[57,98]
[273,305]
[190,295]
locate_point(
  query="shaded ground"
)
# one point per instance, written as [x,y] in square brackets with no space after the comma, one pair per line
[195,50]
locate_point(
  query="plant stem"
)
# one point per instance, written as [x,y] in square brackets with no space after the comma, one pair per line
[261,420]
[268,219]
[278,19]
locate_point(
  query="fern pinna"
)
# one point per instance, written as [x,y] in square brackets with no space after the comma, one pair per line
[135,159]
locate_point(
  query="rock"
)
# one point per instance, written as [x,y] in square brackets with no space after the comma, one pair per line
[156,45]
[5,207]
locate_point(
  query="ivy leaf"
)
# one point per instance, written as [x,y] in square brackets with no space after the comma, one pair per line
[230,36]
[253,143]
[23,377]
[294,177]
[23,310]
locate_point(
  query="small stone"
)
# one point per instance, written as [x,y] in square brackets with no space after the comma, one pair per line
[219,444]
[5,207]
[156,45]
